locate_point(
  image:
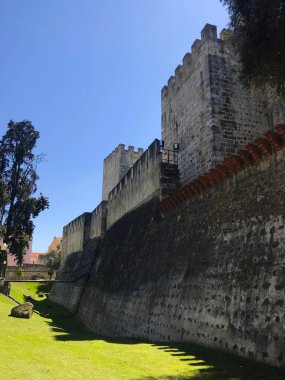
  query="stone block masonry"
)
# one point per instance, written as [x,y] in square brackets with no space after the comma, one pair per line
[206,109]
[75,270]
[116,166]
[203,262]
[30,272]
[148,178]
[212,271]
[75,235]
[98,220]
[271,142]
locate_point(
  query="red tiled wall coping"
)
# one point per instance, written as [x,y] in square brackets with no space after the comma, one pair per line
[272,141]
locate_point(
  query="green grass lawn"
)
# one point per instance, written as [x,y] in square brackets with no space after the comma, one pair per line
[52,345]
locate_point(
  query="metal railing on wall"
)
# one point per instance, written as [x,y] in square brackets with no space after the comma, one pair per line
[169,156]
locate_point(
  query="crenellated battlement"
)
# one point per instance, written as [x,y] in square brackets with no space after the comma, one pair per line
[75,234]
[206,109]
[117,164]
[206,112]
[138,183]
[215,240]
[195,48]
[149,177]
[98,220]
[152,153]
[208,33]
[225,34]
[187,59]
[121,148]
[75,224]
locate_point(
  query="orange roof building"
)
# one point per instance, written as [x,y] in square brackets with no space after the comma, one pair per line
[35,258]
[54,244]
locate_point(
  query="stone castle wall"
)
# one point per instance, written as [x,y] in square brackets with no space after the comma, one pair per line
[30,272]
[116,166]
[75,234]
[98,220]
[149,177]
[205,264]
[206,109]
[76,270]
[211,271]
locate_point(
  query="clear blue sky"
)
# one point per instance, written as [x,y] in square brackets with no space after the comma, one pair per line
[88,74]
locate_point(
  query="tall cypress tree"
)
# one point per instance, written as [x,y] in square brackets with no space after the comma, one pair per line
[18,178]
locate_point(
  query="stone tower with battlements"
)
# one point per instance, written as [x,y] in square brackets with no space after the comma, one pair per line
[206,109]
[116,166]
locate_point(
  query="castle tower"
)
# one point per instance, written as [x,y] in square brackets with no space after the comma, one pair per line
[206,109]
[116,166]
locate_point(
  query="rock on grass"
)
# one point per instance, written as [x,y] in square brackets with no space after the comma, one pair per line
[23,311]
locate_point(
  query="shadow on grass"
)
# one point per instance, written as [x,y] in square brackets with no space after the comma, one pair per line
[44,287]
[221,366]
[204,363]
[61,321]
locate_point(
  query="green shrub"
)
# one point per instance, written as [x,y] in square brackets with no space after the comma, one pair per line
[19,272]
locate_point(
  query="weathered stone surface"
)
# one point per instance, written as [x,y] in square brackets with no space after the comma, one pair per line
[76,270]
[30,272]
[116,166]
[210,272]
[75,234]
[23,311]
[206,109]
[149,177]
